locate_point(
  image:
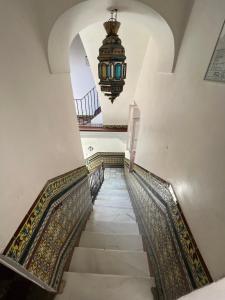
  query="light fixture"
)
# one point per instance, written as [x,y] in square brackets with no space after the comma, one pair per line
[112,66]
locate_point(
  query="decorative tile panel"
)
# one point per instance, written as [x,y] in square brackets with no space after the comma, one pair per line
[47,231]
[110,160]
[176,261]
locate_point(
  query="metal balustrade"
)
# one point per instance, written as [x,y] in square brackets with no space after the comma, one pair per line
[96,178]
[87,107]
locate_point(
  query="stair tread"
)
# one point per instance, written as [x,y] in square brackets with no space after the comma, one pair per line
[113,199]
[111,241]
[112,227]
[113,214]
[113,210]
[91,260]
[100,287]
[102,203]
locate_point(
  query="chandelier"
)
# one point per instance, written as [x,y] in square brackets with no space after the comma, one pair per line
[112,66]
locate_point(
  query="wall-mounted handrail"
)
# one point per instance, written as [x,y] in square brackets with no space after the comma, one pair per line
[87,107]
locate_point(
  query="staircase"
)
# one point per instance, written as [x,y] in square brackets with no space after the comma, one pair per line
[109,263]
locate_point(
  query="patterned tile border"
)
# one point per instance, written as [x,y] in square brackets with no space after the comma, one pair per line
[41,242]
[178,265]
[110,160]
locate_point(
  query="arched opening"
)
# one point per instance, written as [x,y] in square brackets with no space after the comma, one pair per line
[140,23]
[82,15]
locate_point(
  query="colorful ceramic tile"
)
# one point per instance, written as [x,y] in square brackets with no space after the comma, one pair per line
[176,260]
[38,244]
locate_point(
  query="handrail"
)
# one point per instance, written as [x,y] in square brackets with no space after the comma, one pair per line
[86,94]
[96,178]
[87,107]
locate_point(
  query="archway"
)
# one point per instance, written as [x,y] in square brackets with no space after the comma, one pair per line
[82,15]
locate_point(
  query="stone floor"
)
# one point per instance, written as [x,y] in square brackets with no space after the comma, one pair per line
[110,262]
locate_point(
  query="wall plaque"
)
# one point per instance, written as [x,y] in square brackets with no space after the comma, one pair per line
[216,69]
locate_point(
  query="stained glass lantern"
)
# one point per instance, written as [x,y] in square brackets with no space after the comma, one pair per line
[112,66]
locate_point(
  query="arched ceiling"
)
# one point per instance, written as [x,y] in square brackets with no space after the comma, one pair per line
[88,12]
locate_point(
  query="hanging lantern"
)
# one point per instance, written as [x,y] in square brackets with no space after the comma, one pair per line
[112,66]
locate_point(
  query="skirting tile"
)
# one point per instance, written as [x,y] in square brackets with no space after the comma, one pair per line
[47,235]
[175,258]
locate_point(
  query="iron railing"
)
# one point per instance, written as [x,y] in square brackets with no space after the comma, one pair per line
[96,178]
[88,107]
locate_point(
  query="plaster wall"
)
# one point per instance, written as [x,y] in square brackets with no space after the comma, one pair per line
[103,142]
[38,134]
[215,290]
[80,71]
[181,136]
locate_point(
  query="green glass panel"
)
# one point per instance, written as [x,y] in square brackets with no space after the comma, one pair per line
[118,71]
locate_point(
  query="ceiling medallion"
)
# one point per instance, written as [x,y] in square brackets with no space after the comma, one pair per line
[112,66]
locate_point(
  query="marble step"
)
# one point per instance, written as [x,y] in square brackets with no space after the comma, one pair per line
[113,199]
[117,203]
[113,210]
[112,227]
[115,190]
[113,187]
[88,260]
[112,214]
[112,196]
[111,241]
[81,286]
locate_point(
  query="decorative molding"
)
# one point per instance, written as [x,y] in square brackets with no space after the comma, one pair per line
[177,263]
[109,159]
[47,234]
[103,128]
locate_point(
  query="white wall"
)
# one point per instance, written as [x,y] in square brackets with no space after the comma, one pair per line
[103,142]
[80,72]
[212,291]
[38,134]
[182,131]
[98,119]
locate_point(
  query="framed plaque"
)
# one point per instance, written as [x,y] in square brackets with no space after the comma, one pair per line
[216,69]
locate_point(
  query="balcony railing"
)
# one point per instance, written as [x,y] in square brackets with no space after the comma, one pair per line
[87,107]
